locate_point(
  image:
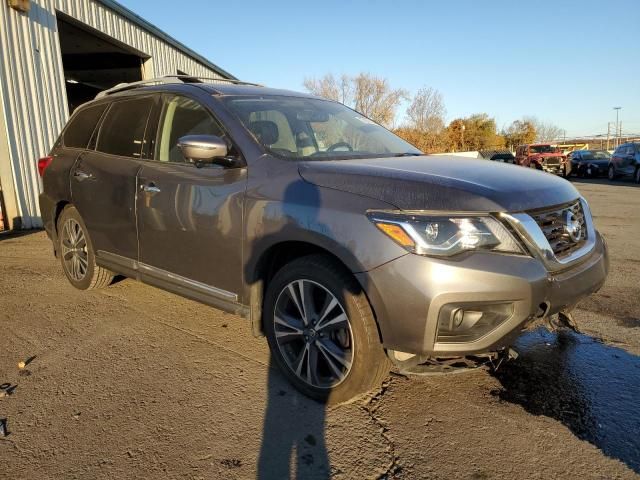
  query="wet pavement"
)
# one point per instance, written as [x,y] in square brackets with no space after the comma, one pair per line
[591,387]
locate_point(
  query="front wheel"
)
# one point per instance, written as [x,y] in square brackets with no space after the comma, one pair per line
[612,173]
[321,330]
[76,253]
[636,177]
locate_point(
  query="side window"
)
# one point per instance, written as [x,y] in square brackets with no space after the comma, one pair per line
[122,131]
[81,127]
[181,116]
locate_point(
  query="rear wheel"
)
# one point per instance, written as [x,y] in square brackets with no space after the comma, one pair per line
[636,177]
[612,173]
[321,330]
[76,253]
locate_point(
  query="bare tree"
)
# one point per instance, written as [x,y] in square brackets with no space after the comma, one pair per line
[370,95]
[545,131]
[332,88]
[426,112]
[375,98]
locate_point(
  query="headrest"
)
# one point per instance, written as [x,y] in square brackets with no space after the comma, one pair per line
[265,131]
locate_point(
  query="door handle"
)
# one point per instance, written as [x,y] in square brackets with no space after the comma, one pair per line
[82,176]
[150,188]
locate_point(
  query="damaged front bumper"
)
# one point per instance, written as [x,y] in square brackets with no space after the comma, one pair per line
[417,298]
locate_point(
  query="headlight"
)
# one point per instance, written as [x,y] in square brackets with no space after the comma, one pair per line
[445,235]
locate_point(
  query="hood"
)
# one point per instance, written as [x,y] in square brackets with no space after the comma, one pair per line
[442,183]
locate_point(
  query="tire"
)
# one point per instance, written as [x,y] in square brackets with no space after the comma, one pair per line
[636,176]
[76,253]
[298,348]
[611,173]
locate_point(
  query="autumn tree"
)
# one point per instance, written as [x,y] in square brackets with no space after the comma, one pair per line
[519,132]
[370,95]
[476,132]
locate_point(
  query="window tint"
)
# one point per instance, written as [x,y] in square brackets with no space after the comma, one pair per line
[181,116]
[122,131]
[82,125]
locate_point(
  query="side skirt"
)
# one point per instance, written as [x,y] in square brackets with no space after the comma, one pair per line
[185,287]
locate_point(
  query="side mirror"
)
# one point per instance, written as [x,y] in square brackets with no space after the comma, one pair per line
[205,149]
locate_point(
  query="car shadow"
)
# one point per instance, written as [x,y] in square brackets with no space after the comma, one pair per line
[12,234]
[590,387]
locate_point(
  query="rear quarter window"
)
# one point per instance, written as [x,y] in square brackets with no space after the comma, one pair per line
[81,126]
[122,131]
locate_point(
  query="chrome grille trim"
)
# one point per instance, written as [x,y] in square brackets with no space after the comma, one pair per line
[552,224]
[537,242]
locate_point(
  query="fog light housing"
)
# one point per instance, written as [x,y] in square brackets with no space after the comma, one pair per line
[468,322]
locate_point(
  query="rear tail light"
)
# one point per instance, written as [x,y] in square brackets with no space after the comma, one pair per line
[43,163]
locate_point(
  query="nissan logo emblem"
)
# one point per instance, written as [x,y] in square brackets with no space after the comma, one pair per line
[572,226]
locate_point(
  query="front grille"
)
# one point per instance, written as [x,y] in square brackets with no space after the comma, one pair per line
[552,160]
[554,224]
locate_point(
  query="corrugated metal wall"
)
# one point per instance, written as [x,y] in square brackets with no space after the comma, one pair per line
[32,85]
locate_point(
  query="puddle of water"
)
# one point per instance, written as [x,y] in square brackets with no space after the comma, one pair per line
[591,387]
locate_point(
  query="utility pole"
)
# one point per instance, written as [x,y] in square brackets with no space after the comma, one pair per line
[608,132]
[620,133]
[617,109]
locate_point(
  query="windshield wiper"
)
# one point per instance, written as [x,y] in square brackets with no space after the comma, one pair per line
[408,154]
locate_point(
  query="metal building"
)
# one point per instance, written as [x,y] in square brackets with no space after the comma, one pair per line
[57,54]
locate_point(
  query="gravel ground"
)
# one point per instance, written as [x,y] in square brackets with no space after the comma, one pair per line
[134,382]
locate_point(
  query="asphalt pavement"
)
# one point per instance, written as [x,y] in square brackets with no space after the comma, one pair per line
[134,382]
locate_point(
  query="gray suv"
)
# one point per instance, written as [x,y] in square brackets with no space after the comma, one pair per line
[341,243]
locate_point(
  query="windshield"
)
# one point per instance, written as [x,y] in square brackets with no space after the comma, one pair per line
[595,155]
[543,149]
[315,129]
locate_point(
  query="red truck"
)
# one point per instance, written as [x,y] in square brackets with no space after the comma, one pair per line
[542,156]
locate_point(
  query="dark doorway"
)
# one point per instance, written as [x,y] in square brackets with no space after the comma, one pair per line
[93,62]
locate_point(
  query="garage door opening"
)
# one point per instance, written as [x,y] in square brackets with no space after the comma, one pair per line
[93,62]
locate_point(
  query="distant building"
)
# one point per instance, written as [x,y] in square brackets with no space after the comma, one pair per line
[56,55]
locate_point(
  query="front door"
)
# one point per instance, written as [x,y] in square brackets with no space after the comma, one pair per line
[190,218]
[103,181]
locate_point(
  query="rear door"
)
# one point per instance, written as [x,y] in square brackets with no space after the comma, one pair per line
[103,181]
[190,218]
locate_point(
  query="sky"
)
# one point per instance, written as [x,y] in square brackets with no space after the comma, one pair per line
[564,62]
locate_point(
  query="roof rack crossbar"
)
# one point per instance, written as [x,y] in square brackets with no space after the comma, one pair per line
[169,79]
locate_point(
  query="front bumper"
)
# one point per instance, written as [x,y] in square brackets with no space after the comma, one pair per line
[408,294]
[556,169]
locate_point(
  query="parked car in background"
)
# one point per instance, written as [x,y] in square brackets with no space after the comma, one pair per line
[542,156]
[340,242]
[625,162]
[502,156]
[588,163]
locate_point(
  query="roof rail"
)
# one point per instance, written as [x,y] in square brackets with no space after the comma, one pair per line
[169,79]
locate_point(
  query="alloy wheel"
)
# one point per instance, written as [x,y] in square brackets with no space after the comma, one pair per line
[74,250]
[313,334]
